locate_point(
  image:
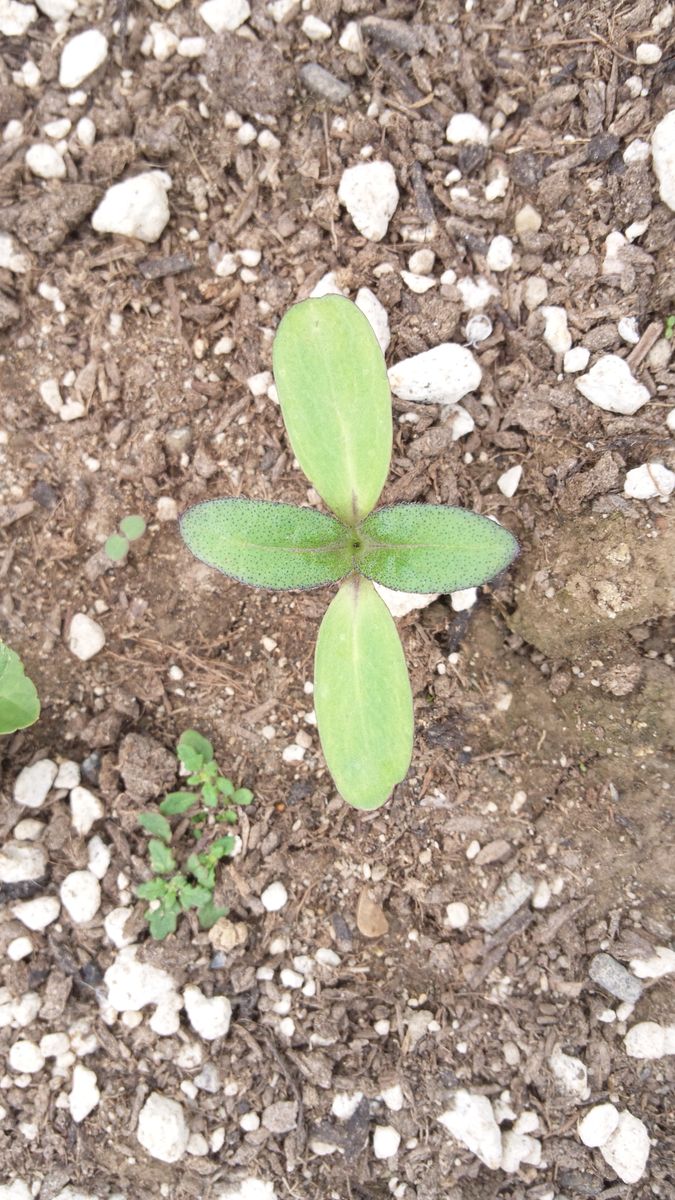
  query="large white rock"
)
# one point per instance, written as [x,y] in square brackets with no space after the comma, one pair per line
[649,1040]
[376,314]
[464,127]
[81,56]
[21,862]
[370,195]
[38,913]
[611,385]
[85,809]
[85,637]
[16,1190]
[136,207]
[402,603]
[649,482]
[45,161]
[663,158]
[209,1016]
[84,1094]
[598,1125]
[80,895]
[33,783]
[224,14]
[472,1122]
[627,1150]
[442,375]
[26,1058]
[655,966]
[133,985]
[519,1148]
[162,1128]
[15,18]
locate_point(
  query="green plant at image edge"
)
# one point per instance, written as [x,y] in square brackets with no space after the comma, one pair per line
[19,701]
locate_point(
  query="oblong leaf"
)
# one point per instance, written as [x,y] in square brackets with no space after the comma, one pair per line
[192,740]
[268,545]
[177,802]
[432,548]
[362,696]
[333,389]
[162,860]
[155,824]
[19,703]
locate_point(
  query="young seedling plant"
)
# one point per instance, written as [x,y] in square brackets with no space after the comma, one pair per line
[172,891]
[117,545]
[333,390]
[19,703]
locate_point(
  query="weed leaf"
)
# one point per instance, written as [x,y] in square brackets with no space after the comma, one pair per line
[155,824]
[161,922]
[177,802]
[210,913]
[162,860]
[192,746]
[19,704]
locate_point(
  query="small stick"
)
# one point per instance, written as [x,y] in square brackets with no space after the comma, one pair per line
[650,336]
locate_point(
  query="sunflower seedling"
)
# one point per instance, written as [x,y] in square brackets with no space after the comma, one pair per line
[19,703]
[333,390]
[117,545]
[172,891]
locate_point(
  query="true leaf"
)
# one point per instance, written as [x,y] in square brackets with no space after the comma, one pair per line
[191,741]
[154,889]
[161,922]
[177,802]
[209,913]
[155,824]
[243,796]
[162,860]
[209,795]
[221,847]
[203,874]
[193,896]
[432,548]
[267,544]
[225,786]
[19,703]
[362,696]
[333,390]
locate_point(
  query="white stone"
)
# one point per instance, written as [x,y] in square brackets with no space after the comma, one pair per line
[38,913]
[68,775]
[464,127]
[350,38]
[209,1016]
[57,10]
[478,328]
[167,5]
[541,896]
[638,151]
[167,509]
[33,783]
[509,480]
[248,1189]
[162,1128]
[81,56]
[85,637]
[258,384]
[191,47]
[165,1020]
[535,291]
[85,131]
[570,1074]
[392,1097]
[370,195]
[136,207]
[58,129]
[421,262]
[663,158]
[647,54]
[636,229]
[519,1148]
[457,915]
[610,385]
[376,314]
[576,359]
[316,29]
[274,897]
[613,262]
[85,809]
[80,895]
[26,1058]
[497,188]
[22,862]
[649,1040]
[250,1122]
[224,14]
[472,1122]
[28,830]
[556,334]
[114,927]
[164,41]
[463,599]
[98,856]
[18,948]
[11,257]
[386,1141]
[45,161]
[598,1125]
[670,420]
[500,253]
[528,220]
[53,1045]
[16,18]
[649,482]
[627,1149]
[658,964]
[402,603]
[84,1094]
[133,985]
[419,284]
[442,375]
[293,753]
[663,19]
[476,293]
[345,1104]
[327,285]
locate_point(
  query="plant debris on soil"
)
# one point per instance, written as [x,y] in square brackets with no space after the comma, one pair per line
[468,993]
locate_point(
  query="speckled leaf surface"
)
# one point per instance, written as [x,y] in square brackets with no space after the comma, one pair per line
[433,548]
[334,394]
[19,703]
[268,545]
[362,696]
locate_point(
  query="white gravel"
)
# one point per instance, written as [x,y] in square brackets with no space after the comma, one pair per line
[45,161]
[85,809]
[209,1016]
[38,913]
[22,862]
[80,895]
[471,1120]
[34,783]
[26,1058]
[598,1125]
[442,375]
[376,314]
[500,253]
[386,1141]
[508,482]
[611,385]
[649,482]
[224,14]
[16,18]
[457,914]
[576,359]
[570,1074]
[556,334]
[274,897]
[647,1039]
[627,1149]
[136,207]
[81,56]
[658,964]
[369,193]
[85,637]
[162,1128]
[663,158]
[84,1094]
[133,985]
[464,127]
[401,603]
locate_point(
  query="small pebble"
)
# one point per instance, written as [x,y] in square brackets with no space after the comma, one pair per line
[648,54]
[85,637]
[464,127]
[576,359]
[627,1149]
[500,254]
[556,334]
[81,56]
[315,29]
[38,913]
[25,1058]
[615,979]
[33,783]
[209,1016]
[651,481]
[369,193]
[421,262]
[508,482]
[80,895]
[528,220]
[663,157]
[610,385]
[19,948]
[376,314]
[274,897]
[162,1129]
[85,810]
[457,915]
[222,15]
[136,207]
[84,1094]
[598,1125]
[386,1141]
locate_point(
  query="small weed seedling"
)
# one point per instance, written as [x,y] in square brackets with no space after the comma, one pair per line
[117,545]
[669,329]
[175,891]
[19,703]
[333,390]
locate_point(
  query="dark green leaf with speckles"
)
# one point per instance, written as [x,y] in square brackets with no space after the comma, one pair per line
[269,545]
[431,548]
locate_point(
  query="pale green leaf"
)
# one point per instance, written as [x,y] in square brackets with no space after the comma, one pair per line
[155,824]
[19,703]
[432,548]
[362,696]
[334,394]
[268,545]
[132,527]
[116,547]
